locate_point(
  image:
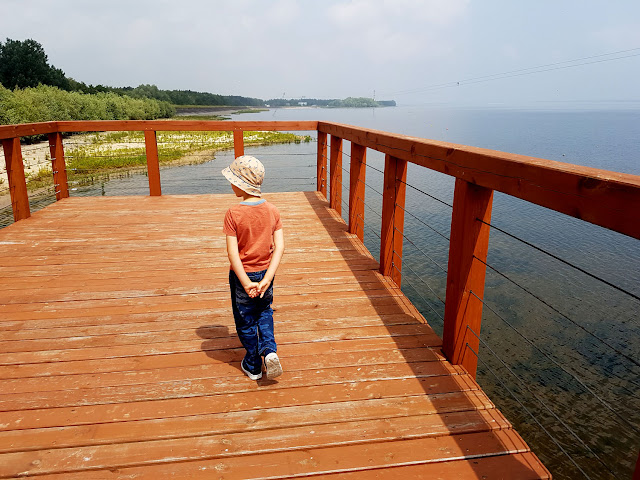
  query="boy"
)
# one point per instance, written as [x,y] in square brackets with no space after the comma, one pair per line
[255,244]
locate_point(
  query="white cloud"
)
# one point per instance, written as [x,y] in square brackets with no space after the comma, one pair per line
[396,31]
[434,12]
[619,37]
[283,12]
[411,13]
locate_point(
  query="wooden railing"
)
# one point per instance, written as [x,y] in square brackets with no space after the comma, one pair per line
[11,134]
[607,199]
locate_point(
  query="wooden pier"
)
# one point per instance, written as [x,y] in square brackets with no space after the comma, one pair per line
[119,358]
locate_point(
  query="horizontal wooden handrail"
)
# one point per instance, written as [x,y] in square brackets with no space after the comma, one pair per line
[26,129]
[184,125]
[605,198]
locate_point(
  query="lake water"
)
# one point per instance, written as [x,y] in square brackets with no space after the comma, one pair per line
[556,342]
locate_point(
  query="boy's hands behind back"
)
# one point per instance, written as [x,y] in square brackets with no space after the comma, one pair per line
[263,286]
[255,289]
[252,289]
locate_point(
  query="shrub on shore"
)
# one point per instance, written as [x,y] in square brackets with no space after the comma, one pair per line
[45,103]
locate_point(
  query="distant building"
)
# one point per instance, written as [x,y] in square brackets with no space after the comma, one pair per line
[303,104]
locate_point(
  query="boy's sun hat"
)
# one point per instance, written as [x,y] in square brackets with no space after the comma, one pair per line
[246,173]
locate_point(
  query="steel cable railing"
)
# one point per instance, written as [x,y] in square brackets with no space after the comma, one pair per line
[573,322]
[539,400]
[535,419]
[427,302]
[603,402]
[420,277]
[425,254]
[561,260]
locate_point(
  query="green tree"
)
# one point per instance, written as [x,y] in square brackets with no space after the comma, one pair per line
[24,64]
[57,78]
[149,91]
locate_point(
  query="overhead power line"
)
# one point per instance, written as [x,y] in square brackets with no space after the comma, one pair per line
[622,54]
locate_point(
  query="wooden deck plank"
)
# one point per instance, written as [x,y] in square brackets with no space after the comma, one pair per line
[68,294]
[53,318]
[118,355]
[171,322]
[210,371]
[339,333]
[113,280]
[219,386]
[314,342]
[240,402]
[371,434]
[391,410]
[161,297]
[525,466]
[358,354]
[239,463]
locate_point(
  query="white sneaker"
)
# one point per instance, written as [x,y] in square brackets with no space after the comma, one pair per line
[272,364]
[252,376]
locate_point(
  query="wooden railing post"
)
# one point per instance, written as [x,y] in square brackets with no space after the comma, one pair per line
[466,273]
[17,181]
[238,143]
[58,166]
[335,174]
[391,235]
[153,163]
[322,164]
[357,174]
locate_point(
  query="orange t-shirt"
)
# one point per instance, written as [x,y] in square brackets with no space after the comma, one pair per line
[253,224]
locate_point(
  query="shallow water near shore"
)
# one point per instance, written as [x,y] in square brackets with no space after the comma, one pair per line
[547,323]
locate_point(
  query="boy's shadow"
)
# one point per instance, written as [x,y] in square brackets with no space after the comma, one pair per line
[223,346]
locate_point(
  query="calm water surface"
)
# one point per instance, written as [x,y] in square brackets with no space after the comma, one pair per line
[556,342]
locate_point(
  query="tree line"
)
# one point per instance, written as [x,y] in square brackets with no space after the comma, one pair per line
[33,90]
[46,103]
[189,97]
[24,64]
[349,102]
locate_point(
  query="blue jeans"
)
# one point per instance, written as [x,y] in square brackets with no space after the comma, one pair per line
[254,320]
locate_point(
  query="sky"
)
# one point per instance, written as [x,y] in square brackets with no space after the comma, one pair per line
[411,51]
